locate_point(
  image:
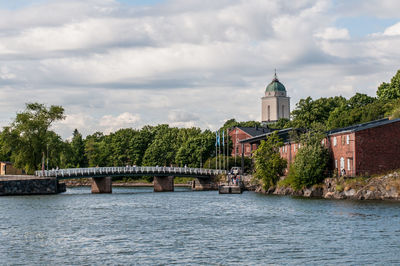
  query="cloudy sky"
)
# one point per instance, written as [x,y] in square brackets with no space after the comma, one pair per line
[115,64]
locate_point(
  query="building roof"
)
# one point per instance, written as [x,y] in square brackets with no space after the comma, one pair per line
[363,126]
[284,134]
[255,131]
[275,85]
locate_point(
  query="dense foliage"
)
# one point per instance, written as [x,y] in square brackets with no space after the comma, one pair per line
[389,91]
[269,165]
[29,139]
[311,161]
[25,141]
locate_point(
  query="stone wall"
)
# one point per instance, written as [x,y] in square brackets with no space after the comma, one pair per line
[30,187]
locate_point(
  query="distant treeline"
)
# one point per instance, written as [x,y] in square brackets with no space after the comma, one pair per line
[29,138]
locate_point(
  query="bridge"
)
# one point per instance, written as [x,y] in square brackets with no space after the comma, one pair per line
[163,176]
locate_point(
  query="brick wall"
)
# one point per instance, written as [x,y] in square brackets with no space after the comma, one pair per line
[342,152]
[236,136]
[378,149]
[289,151]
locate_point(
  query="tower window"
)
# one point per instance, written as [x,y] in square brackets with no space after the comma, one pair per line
[283,111]
[269,113]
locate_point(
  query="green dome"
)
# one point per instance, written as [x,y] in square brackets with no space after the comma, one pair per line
[275,85]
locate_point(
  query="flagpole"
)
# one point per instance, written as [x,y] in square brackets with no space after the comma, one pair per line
[219,149]
[227,149]
[216,153]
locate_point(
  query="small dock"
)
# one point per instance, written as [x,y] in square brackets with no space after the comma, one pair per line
[230,189]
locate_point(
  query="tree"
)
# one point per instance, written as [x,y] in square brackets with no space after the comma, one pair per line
[311,161]
[389,91]
[28,137]
[77,150]
[309,111]
[269,165]
[96,150]
[162,150]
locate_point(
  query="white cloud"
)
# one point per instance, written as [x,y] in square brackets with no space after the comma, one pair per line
[124,120]
[392,30]
[332,33]
[189,63]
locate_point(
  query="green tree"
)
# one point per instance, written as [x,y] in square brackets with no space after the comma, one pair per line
[389,91]
[309,111]
[78,158]
[97,150]
[162,150]
[27,138]
[269,165]
[311,161]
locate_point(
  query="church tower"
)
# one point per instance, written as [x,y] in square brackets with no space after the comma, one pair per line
[275,104]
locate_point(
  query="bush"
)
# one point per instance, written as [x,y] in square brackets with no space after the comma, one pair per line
[269,165]
[311,161]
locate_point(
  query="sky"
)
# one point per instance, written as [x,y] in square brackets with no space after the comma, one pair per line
[118,64]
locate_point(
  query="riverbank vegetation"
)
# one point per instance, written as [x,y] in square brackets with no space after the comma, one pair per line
[269,165]
[311,162]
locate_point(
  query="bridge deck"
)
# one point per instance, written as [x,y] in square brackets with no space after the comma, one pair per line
[129,171]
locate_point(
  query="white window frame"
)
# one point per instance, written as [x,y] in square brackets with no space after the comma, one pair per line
[347,139]
[335,164]
[348,164]
[342,165]
[334,141]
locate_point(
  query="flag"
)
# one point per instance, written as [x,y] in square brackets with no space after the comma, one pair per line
[216,138]
[223,138]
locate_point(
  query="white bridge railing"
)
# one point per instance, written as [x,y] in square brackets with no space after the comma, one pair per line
[137,170]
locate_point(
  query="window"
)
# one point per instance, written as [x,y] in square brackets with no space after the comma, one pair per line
[336,164]
[343,140]
[283,111]
[299,145]
[348,164]
[341,163]
[347,139]
[294,147]
[269,113]
[334,141]
[247,149]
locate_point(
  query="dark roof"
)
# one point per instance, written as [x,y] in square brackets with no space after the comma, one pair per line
[255,131]
[363,126]
[283,134]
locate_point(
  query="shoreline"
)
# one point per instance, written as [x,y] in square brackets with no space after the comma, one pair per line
[386,187]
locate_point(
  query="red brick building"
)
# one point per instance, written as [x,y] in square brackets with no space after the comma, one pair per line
[363,149]
[237,134]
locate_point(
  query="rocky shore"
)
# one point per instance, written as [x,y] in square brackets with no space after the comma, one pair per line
[385,187]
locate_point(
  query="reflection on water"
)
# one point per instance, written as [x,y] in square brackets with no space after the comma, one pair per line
[135,225]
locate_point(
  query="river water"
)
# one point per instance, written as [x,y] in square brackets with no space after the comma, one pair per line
[137,226]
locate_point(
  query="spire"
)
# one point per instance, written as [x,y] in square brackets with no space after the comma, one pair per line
[275,76]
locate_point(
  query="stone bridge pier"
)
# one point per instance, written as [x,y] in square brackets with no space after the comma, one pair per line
[102,184]
[163,183]
[201,184]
